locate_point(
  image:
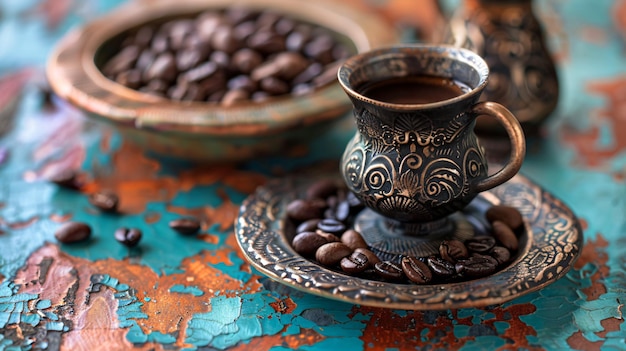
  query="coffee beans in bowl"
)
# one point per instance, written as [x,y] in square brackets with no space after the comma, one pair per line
[320,235]
[212,82]
[227,56]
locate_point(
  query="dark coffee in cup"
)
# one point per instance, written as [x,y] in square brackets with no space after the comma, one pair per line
[422,89]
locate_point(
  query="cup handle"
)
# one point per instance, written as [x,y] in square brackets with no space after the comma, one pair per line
[518,144]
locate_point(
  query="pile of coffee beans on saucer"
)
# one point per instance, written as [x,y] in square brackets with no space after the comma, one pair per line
[323,232]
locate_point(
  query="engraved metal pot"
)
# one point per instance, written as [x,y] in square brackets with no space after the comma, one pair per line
[509,37]
[421,162]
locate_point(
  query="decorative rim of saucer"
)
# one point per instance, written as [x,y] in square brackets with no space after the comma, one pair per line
[553,236]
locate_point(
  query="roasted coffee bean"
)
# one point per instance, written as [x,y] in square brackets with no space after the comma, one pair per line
[232,97]
[104,200]
[389,271]
[284,26]
[480,244]
[189,58]
[331,238]
[145,60]
[332,226]
[342,211]
[244,30]
[207,24]
[67,179]
[330,254]
[296,40]
[307,75]
[124,60]
[274,86]
[355,263]
[507,214]
[476,266]
[416,270]
[246,60]
[441,267]
[201,72]
[129,237]
[72,232]
[163,68]
[308,226]
[160,43]
[371,257]
[307,243]
[501,254]
[224,39]
[504,235]
[143,36]
[266,42]
[185,226]
[130,78]
[353,239]
[322,189]
[156,87]
[453,250]
[328,75]
[242,82]
[291,64]
[320,49]
[302,210]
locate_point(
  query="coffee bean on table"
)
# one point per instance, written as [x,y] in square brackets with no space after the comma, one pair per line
[104,200]
[331,254]
[507,214]
[67,179]
[504,235]
[129,237]
[416,270]
[355,263]
[73,232]
[453,250]
[388,270]
[480,244]
[185,226]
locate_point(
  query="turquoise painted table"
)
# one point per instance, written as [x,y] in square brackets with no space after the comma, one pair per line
[175,292]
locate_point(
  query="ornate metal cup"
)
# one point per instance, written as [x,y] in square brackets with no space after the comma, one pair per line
[422,162]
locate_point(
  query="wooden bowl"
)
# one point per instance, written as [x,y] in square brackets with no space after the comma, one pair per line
[199,130]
